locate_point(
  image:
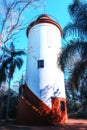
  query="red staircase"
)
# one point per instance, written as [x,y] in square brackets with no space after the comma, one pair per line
[32,111]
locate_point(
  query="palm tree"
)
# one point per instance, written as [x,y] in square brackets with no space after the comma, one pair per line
[73,58]
[12,60]
[75,52]
[78,27]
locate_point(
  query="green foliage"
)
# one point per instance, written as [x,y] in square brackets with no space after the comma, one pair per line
[12,105]
[12,60]
[73,59]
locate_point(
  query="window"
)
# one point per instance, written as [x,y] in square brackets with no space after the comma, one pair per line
[62,106]
[40,64]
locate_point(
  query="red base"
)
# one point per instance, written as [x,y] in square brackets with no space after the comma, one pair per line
[32,111]
[59,108]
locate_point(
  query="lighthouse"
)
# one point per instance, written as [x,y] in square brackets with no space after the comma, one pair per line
[43,76]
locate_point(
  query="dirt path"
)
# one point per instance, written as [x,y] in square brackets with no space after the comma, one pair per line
[73,124]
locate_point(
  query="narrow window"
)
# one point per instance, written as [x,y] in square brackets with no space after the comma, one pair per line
[62,106]
[40,64]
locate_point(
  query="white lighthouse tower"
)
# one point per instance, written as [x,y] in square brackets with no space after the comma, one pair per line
[43,76]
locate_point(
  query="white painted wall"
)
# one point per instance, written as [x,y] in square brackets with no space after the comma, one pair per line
[44,43]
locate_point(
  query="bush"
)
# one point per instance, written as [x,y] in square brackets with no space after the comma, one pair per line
[82,115]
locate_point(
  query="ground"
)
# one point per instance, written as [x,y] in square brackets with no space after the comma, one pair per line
[73,124]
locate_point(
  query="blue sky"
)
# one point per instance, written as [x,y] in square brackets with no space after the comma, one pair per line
[55,8]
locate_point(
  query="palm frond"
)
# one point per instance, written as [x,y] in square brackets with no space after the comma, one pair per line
[78,12]
[74,31]
[77,73]
[72,53]
[72,8]
[10,62]
[77,29]
[19,63]
[17,53]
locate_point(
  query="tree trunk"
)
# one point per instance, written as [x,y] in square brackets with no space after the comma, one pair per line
[8,100]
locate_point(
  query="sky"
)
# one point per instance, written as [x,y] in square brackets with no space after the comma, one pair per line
[57,9]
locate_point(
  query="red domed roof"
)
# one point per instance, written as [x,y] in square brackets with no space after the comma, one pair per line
[44,18]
